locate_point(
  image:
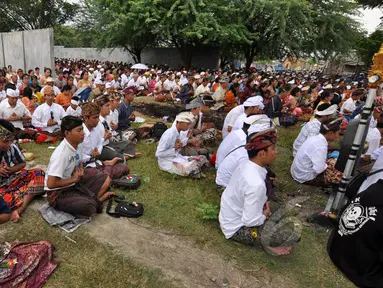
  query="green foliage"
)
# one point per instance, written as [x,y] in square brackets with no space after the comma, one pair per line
[207,211]
[127,24]
[333,31]
[368,45]
[35,14]
[371,3]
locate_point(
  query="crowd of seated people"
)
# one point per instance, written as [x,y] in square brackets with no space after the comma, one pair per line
[96,145]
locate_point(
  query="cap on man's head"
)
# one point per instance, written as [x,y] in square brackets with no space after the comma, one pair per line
[326,109]
[254,101]
[50,79]
[12,93]
[185,117]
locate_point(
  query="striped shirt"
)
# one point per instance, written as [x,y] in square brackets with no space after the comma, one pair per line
[12,156]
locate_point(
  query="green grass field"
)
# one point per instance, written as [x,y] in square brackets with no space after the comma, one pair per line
[171,203]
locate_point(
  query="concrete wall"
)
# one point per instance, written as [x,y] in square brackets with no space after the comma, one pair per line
[204,58]
[27,49]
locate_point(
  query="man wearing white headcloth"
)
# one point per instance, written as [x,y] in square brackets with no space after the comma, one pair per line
[231,158]
[99,90]
[13,110]
[74,109]
[168,150]
[253,105]
[311,128]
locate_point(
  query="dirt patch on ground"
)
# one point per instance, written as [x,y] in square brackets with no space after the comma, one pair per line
[176,256]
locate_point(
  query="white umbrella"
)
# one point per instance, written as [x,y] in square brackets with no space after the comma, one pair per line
[140,66]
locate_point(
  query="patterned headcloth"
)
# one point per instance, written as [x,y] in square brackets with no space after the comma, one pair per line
[5,134]
[261,140]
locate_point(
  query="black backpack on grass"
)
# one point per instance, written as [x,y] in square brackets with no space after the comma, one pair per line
[157,130]
[125,209]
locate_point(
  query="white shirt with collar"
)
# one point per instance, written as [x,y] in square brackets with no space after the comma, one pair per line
[243,199]
[63,162]
[201,89]
[3,95]
[230,119]
[56,90]
[72,112]
[92,139]
[373,135]
[228,166]
[102,128]
[377,166]
[43,113]
[169,85]
[310,160]
[20,110]
[233,140]
[309,129]
[112,118]
[133,83]
[166,152]
[349,105]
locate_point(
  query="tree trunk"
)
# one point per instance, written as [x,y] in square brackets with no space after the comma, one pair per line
[249,52]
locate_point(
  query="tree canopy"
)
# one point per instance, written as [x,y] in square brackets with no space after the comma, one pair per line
[35,14]
[241,29]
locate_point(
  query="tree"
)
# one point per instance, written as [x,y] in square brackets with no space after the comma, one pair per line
[275,27]
[191,24]
[333,31]
[35,14]
[131,24]
[371,3]
[367,46]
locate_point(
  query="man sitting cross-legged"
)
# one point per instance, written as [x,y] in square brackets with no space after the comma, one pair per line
[93,145]
[311,128]
[124,149]
[18,186]
[244,206]
[69,187]
[310,164]
[48,115]
[168,150]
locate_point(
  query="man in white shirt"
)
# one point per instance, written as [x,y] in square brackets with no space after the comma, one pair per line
[3,94]
[244,207]
[93,144]
[50,83]
[232,150]
[125,78]
[69,188]
[309,163]
[13,110]
[219,94]
[253,105]
[349,106]
[373,135]
[312,127]
[48,115]
[230,119]
[134,82]
[169,83]
[168,150]
[203,88]
[74,109]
